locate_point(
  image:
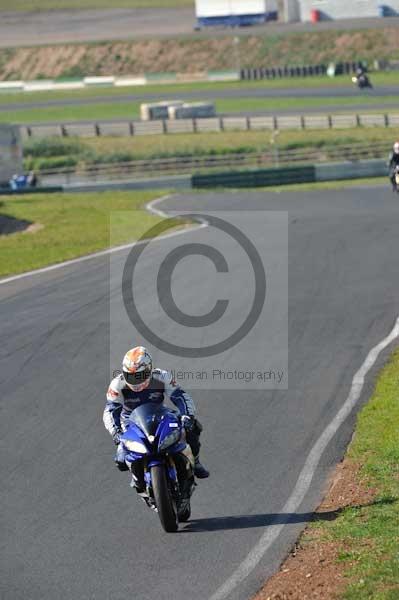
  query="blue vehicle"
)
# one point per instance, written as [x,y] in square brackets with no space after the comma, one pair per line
[161,462]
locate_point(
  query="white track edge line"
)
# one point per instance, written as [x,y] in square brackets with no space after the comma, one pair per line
[149,207]
[306,475]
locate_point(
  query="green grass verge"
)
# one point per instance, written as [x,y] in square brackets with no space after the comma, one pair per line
[131,110]
[40,5]
[73,225]
[368,535]
[379,79]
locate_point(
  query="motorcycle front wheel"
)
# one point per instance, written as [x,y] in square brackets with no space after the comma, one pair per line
[166,506]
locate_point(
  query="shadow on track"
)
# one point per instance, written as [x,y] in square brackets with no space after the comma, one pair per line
[265,520]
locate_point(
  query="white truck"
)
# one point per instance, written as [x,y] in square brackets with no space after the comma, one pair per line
[10,152]
[234,13]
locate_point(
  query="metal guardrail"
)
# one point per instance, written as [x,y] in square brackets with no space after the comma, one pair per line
[273,157]
[218,124]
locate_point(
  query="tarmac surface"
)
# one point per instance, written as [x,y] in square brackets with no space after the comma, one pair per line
[72,527]
[54,27]
[244,91]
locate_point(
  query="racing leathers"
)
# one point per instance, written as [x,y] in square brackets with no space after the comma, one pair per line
[122,400]
[392,164]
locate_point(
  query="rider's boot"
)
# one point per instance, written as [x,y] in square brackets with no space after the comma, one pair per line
[199,470]
[135,484]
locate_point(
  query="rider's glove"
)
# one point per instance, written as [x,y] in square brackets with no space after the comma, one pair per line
[187,422]
[117,437]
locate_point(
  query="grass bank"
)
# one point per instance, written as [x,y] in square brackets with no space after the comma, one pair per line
[72,225]
[54,153]
[368,535]
[193,53]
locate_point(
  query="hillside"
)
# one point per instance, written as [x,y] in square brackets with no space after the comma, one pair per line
[197,54]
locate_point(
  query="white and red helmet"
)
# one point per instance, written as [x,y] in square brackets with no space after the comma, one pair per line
[137,368]
[396,147]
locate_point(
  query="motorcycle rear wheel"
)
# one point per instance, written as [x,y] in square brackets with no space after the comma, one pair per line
[165,504]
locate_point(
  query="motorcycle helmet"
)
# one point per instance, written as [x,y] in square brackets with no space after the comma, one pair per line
[396,147]
[137,368]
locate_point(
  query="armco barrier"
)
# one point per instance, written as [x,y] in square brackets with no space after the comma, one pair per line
[51,189]
[178,182]
[350,170]
[227,123]
[255,178]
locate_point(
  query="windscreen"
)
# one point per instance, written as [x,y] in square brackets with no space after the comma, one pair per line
[148,416]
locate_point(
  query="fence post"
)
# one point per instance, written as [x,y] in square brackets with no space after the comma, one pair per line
[386,120]
[164,126]
[195,128]
[221,124]
[248,124]
[97,129]
[358,121]
[303,126]
[330,122]
[131,128]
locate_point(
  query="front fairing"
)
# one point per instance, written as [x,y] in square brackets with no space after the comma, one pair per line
[134,434]
[151,424]
[149,416]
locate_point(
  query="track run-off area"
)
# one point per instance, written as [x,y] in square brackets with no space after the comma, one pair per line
[72,526]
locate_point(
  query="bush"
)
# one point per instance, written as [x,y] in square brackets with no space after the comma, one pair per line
[50,147]
[59,162]
[75,72]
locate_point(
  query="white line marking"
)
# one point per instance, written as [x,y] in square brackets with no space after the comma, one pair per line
[308,470]
[75,261]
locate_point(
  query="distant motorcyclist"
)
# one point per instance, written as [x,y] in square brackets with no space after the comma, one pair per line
[393,162]
[138,384]
[361,77]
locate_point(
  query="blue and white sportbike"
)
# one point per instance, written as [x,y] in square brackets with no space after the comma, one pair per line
[161,462]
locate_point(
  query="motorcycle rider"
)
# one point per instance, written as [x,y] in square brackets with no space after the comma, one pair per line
[138,384]
[393,163]
[361,77]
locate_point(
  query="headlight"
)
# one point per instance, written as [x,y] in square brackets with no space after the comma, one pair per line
[170,439]
[137,447]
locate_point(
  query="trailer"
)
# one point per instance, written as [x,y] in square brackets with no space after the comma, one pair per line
[234,13]
[10,152]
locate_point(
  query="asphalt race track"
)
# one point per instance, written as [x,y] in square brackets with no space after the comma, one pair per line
[61,26]
[72,528]
[245,91]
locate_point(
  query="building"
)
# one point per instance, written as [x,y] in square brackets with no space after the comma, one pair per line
[326,10]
